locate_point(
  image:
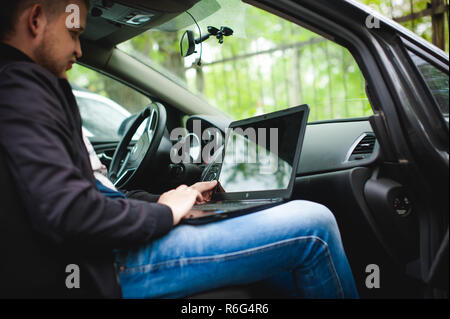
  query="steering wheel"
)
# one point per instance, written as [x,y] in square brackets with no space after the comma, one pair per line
[125,164]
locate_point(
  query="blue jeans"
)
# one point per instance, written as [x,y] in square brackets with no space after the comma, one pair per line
[299,238]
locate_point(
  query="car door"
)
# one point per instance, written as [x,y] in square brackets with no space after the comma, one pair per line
[408,123]
[425,73]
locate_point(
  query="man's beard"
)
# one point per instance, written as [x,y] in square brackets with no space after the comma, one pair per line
[44,58]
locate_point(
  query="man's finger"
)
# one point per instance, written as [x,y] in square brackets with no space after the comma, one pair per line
[207,195]
[205,186]
[198,195]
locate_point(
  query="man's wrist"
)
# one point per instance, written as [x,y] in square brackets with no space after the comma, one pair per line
[165,220]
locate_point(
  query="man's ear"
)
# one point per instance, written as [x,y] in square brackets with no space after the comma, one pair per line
[36,20]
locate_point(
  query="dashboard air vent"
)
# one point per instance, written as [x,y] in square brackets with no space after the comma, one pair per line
[363,147]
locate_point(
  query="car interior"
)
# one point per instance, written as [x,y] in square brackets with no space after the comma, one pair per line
[343,162]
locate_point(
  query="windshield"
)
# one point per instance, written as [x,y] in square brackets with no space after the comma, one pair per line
[267,64]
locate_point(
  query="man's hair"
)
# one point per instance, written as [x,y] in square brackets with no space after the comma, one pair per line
[11,11]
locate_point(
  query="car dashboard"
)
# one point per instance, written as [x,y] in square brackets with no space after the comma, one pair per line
[328,146]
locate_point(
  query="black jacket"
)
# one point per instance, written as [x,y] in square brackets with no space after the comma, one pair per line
[49,167]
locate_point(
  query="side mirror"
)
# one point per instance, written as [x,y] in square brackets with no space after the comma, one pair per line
[187,43]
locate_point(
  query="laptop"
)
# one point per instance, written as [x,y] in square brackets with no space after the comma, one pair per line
[257,167]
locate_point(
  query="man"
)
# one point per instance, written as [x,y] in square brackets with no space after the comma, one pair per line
[40,134]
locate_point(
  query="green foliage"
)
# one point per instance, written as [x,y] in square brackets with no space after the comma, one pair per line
[400,8]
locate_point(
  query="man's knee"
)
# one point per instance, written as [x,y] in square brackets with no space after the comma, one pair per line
[315,215]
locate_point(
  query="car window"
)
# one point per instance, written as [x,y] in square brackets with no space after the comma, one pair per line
[436,80]
[94,107]
[104,103]
[267,64]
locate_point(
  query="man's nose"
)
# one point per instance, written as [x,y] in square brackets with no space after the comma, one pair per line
[78,51]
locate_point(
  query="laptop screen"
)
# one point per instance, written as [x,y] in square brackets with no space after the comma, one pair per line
[259,156]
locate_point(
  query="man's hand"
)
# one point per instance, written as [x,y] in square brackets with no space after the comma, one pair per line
[180,201]
[206,189]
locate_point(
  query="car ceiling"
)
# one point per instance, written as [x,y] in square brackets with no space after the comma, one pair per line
[112,22]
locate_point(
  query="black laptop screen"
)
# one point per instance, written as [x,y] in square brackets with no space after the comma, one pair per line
[259,156]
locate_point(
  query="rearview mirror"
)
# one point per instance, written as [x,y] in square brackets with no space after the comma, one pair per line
[187,43]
